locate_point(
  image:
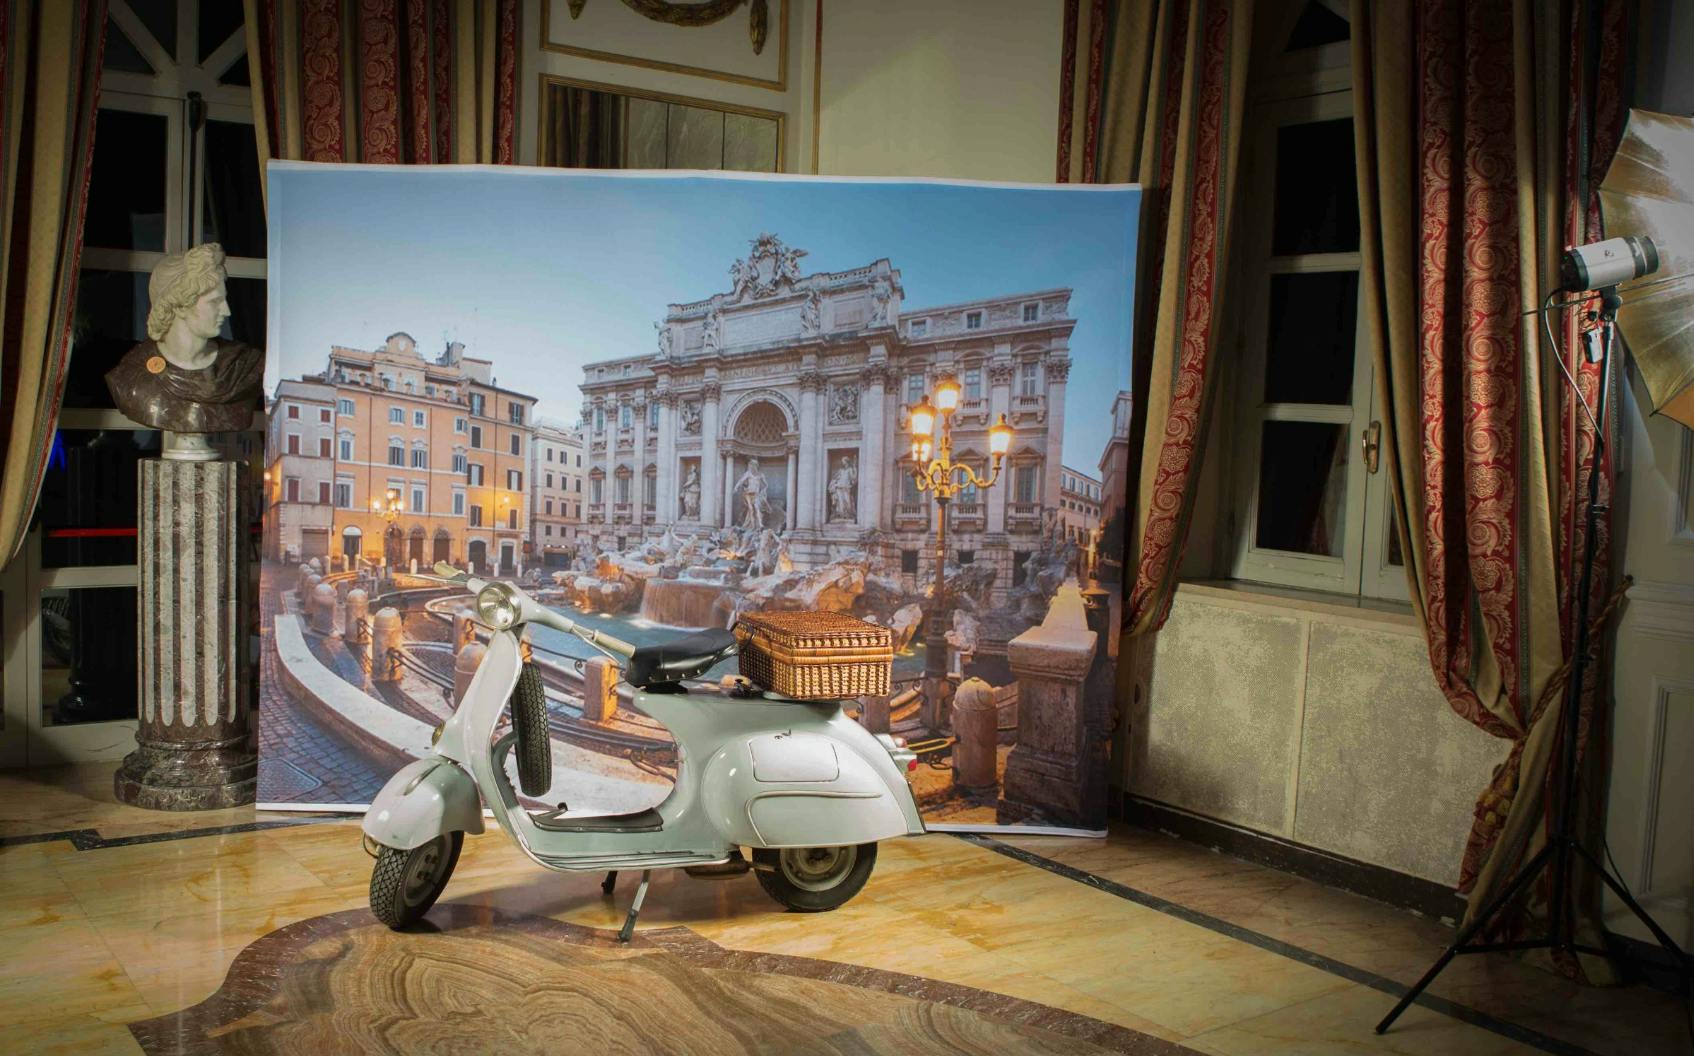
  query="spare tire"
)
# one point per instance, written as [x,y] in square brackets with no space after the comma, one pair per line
[535,743]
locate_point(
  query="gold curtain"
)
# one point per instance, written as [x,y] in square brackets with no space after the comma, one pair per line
[1170,119]
[50,53]
[1472,179]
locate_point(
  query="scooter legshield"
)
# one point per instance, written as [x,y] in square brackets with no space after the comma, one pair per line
[425,799]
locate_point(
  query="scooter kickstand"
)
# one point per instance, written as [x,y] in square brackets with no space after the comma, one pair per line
[635,907]
[609,883]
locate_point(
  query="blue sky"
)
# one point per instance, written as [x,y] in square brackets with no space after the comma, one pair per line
[542,271]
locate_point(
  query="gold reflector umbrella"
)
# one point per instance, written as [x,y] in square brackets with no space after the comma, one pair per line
[1649,191]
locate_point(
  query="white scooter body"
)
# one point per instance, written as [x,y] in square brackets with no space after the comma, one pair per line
[752,771]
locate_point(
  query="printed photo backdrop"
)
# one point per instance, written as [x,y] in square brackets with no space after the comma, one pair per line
[658,401]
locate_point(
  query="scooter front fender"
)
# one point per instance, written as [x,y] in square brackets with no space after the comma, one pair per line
[426,799]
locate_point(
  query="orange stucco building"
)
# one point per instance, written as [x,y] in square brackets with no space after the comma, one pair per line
[428,461]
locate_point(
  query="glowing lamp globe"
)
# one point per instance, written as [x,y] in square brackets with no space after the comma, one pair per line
[1000,438]
[923,420]
[947,396]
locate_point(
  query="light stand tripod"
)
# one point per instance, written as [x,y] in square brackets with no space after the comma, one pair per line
[1562,849]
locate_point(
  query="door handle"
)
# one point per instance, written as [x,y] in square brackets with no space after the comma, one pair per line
[1371,441]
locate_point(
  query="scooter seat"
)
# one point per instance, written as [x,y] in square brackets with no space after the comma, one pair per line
[689,656]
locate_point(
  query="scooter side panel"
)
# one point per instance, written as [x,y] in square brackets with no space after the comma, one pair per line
[425,799]
[853,807]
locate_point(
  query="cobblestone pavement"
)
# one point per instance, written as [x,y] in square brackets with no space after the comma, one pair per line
[302,758]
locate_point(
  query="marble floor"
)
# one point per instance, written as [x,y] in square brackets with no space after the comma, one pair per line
[119,929]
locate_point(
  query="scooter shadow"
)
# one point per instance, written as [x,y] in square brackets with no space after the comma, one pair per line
[674,898]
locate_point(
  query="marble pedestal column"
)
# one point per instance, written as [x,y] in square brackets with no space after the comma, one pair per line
[1047,770]
[193,749]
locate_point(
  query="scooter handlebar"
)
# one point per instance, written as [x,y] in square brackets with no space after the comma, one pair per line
[533,611]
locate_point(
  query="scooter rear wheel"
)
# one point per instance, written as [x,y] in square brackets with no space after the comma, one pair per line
[404,884]
[814,879]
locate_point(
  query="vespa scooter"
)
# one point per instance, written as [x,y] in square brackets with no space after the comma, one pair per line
[808,790]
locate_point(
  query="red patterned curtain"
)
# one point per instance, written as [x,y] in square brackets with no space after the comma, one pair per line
[50,54]
[1153,92]
[1484,130]
[385,81]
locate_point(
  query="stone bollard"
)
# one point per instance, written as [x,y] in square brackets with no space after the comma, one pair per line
[976,718]
[599,690]
[464,629]
[316,566]
[310,586]
[387,634]
[464,669]
[873,713]
[321,609]
[358,613]
[301,574]
[1046,771]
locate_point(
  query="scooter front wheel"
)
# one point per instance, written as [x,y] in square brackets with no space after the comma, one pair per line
[814,879]
[405,884]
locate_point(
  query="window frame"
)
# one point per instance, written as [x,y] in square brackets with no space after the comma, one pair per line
[1362,568]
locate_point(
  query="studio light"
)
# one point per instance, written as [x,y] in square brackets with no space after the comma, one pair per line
[1601,264]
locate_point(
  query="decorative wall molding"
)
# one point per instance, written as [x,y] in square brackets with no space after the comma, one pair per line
[683,15]
[1659,609]
[1682,501]
[699,14]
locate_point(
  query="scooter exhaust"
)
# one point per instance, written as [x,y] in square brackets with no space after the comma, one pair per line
[734,867]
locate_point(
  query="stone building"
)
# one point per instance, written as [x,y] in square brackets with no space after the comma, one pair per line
[1114,493]
[439,434]
[556,492]
[779,403]
[300,470]
[1079,505]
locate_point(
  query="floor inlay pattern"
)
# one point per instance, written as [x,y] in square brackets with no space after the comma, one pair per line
[475,979]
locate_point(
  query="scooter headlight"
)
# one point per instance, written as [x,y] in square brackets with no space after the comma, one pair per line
[496,607]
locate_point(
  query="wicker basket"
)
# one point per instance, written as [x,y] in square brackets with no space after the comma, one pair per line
[815,655]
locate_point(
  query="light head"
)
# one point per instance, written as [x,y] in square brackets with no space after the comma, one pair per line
[923,421]
[1601,264]
[1000,438]
[947,393]
[496,607]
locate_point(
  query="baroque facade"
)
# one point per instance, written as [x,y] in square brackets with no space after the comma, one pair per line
[437,432]
[779,404]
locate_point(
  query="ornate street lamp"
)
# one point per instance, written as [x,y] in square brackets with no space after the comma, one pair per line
[935,471]
[388,507]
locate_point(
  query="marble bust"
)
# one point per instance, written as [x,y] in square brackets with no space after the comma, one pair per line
[185,378]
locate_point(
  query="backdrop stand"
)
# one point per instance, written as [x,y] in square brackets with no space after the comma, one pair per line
[1563,850]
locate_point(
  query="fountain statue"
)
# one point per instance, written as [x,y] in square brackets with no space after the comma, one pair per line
[754,491]
[843,491]
[691,494]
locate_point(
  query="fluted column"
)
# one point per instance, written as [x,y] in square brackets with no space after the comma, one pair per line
[1000,402]
[873,423]
[638,479]
[1058,371]
[609,464]
[711,466]
[731,508]
[811,444]
[667,488]
[193,751]
[793,511]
